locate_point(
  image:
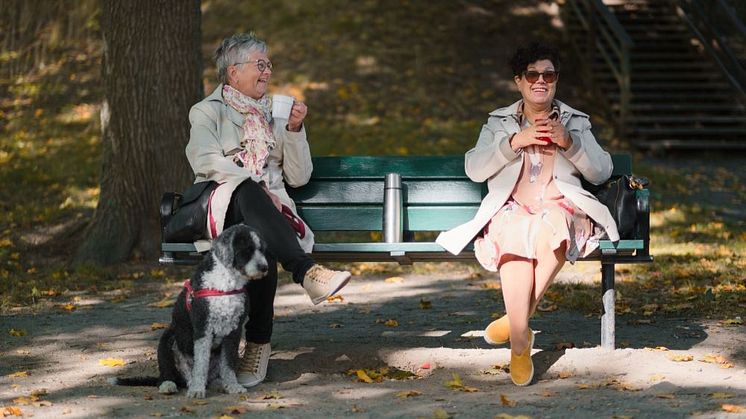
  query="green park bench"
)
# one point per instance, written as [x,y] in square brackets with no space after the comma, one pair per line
[407,200]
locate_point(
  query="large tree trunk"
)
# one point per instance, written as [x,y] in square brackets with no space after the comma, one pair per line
[152,71]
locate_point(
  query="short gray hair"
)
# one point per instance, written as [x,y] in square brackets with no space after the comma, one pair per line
[234,49]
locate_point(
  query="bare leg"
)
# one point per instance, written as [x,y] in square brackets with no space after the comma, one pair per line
[548,261]
[517,279]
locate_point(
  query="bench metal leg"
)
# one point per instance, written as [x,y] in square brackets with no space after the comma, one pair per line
[609,300]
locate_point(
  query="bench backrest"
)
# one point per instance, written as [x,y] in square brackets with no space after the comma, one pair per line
[346,193]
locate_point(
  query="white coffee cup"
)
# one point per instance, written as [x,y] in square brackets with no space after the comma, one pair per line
[281,106]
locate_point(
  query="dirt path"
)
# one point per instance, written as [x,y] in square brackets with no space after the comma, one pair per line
[314,347]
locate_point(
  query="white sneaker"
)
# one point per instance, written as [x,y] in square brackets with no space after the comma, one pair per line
[252,369]
[321,283]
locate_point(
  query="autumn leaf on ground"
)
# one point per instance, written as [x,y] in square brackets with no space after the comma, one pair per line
[17,332]
[68,307]
[156,326]
[491,285]
[335,299]
[456,384]
[496,369]
[732,322]
[391,323]
[200,402]
[363,376]
[665,396]
[680,358]
[235,410]
[11,411]
[186,409]
[509,416]
[722,395]
[565,374]
[657,349]
[167,301]
[274,394]
[111,362]
[657,377]
[733,408]
[25,400]
[505,401]
[18,374]
[716,359]
[407,394]
[393,280]
[425,304]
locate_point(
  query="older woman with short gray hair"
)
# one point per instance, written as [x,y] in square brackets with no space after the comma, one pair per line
[236,143]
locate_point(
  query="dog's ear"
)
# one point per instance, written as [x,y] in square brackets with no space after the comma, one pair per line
[222,246]
[244,246]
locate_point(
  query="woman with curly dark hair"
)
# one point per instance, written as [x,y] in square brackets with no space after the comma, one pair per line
[536,215]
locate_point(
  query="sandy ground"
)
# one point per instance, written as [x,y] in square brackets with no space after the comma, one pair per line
[315,347]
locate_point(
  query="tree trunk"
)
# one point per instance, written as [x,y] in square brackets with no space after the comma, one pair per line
[152,70]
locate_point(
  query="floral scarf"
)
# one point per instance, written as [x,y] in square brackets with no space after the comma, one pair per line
[258,139]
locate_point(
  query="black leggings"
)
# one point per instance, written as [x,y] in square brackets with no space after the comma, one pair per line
[251,205]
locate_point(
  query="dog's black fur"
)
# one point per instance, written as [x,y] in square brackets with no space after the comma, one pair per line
[200,346]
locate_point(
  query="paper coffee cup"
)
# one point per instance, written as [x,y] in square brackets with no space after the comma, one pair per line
[281,106]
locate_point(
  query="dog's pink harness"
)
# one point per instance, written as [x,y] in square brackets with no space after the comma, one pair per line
[206,292]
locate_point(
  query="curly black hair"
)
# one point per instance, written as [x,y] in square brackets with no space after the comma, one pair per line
[532,53]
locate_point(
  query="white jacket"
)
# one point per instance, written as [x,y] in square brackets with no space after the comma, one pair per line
[494,161]
[216,131]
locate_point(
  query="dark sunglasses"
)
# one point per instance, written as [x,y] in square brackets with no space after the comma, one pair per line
[533,76]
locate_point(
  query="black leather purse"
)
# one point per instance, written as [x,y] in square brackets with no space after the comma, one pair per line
[619,197]
[184,216]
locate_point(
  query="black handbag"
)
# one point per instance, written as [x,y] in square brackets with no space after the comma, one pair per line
[184,216]
[619,197]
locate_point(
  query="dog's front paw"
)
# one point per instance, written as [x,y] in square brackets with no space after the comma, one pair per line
[194,393]
[168,387]
[234,388]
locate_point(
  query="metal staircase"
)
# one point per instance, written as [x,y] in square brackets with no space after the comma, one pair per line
[665,85]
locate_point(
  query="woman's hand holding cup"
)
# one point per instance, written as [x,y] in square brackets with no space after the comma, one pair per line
[297,115]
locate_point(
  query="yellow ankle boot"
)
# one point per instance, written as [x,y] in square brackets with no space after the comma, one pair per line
[498,332]
[521,365]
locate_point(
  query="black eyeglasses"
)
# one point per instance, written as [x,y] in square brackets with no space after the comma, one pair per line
[533,76]
[261,65]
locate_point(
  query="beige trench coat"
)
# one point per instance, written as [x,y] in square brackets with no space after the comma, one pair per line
[215,136]
[494,161]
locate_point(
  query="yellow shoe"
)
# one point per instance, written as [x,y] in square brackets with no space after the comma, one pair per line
[498,332]
[521,366]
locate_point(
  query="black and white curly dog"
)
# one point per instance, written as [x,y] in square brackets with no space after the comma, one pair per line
[200,346]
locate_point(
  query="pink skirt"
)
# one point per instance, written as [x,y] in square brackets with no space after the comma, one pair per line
[515,230]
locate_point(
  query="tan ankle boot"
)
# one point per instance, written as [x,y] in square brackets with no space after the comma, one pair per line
[521,365]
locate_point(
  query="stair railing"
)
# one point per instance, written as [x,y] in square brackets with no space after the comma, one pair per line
[718,27]
[607,36]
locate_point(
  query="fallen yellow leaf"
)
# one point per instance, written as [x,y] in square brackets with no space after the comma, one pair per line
[505,401]
[680,358]
[509,416]
[455,383]
[18,374]
[425,304]
[111,362]
[657,349]
[362,376]
[69,307]
[722,395]
[391,323]
[657,377]
[335,299]
[733,408]
[394,280]
[440,413]
[25,400]
[17,332]
[12,411]
[156,326]
[274,394]
[732,322]
[565,374]
[200,402]
[407,394]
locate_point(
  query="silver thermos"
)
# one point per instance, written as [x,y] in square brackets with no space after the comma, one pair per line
[393,222]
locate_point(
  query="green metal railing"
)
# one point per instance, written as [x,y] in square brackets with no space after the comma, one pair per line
[723,34]
[607,36]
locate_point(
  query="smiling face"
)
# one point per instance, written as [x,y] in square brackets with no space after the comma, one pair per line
[538,94]
[247,79]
